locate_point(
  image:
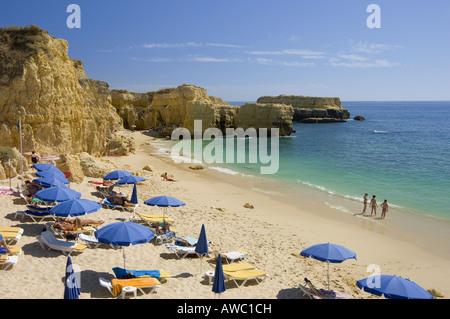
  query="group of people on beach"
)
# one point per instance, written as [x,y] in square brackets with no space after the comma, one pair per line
[373,205]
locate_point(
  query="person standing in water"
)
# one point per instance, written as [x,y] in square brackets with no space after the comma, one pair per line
[384,208]
[373,205]
[365,204]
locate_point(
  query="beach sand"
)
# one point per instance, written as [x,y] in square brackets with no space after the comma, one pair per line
[273,232]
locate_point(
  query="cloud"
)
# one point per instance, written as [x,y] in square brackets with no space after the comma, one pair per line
[306,54]
[188,45]
[210,59]
[267,61]
[363,63]
[186,59]
[373,48]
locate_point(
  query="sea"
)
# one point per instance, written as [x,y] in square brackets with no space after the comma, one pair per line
[400,152]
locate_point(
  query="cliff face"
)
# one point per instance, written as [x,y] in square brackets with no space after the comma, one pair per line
[170,108]
[308,109]
[61,110]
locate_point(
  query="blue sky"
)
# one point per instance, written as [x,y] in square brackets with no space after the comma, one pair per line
[241,50]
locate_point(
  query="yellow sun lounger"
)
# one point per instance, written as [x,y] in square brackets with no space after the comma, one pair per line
[151,219]
[246,275]
[11,237]
[238,267]
[8,261]
[11,229]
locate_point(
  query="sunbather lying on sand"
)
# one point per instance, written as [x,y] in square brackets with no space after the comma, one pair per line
[168,178]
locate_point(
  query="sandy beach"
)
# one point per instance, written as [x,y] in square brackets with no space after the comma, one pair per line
[273,232]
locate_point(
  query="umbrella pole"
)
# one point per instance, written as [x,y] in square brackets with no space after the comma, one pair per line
[328,274]
[123,251]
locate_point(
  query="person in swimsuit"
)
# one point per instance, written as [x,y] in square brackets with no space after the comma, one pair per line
[4,248]
[365,204]
[34,157]
[384,208]
[167,178]
[373,205]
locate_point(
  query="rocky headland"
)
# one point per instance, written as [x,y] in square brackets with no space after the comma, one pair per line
[309,109]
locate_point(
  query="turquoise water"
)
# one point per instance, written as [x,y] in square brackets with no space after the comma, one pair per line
[401,153]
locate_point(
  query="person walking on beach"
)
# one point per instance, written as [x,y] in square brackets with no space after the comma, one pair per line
[373,205]
[365,204]
[384,209]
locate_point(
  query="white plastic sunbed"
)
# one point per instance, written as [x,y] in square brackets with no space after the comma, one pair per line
[9,262]
[232,256]
[46,238]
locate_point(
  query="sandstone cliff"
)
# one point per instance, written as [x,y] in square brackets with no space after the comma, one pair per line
[61,110]
[170,108]
[308,109]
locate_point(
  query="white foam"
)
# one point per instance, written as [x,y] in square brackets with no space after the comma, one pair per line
[224,170]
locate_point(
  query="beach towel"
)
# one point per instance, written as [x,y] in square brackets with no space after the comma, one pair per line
[143,282]
[183,240]
[121,273]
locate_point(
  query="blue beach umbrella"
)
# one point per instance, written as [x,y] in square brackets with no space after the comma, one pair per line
[57,194]
[134,198]
[219,279]
[51,181]
[393,287]
[117,174]
[75,207]
[202,245]
[329,253]
[51,174]
[72,287]
[131,179]
[164,201]
[124,234]
[44,167]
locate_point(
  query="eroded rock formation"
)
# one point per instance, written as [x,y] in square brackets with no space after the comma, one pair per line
[308,109]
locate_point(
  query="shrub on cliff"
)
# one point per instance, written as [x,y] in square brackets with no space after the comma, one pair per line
[16,47]
[6,153]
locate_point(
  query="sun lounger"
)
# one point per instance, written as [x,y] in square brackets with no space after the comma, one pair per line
[115,285]
[42,209]
[14,249]
[182,251]
[245,276]
[35,216]
[186,241]
[63,233]
[238,267]
[158,274]
[25,198]
[11,237]
[162,238]
[92,241]
[7,262]
[232,256]
[46,238]
[108,204]
[153,219]
[11,229]
[311,292]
